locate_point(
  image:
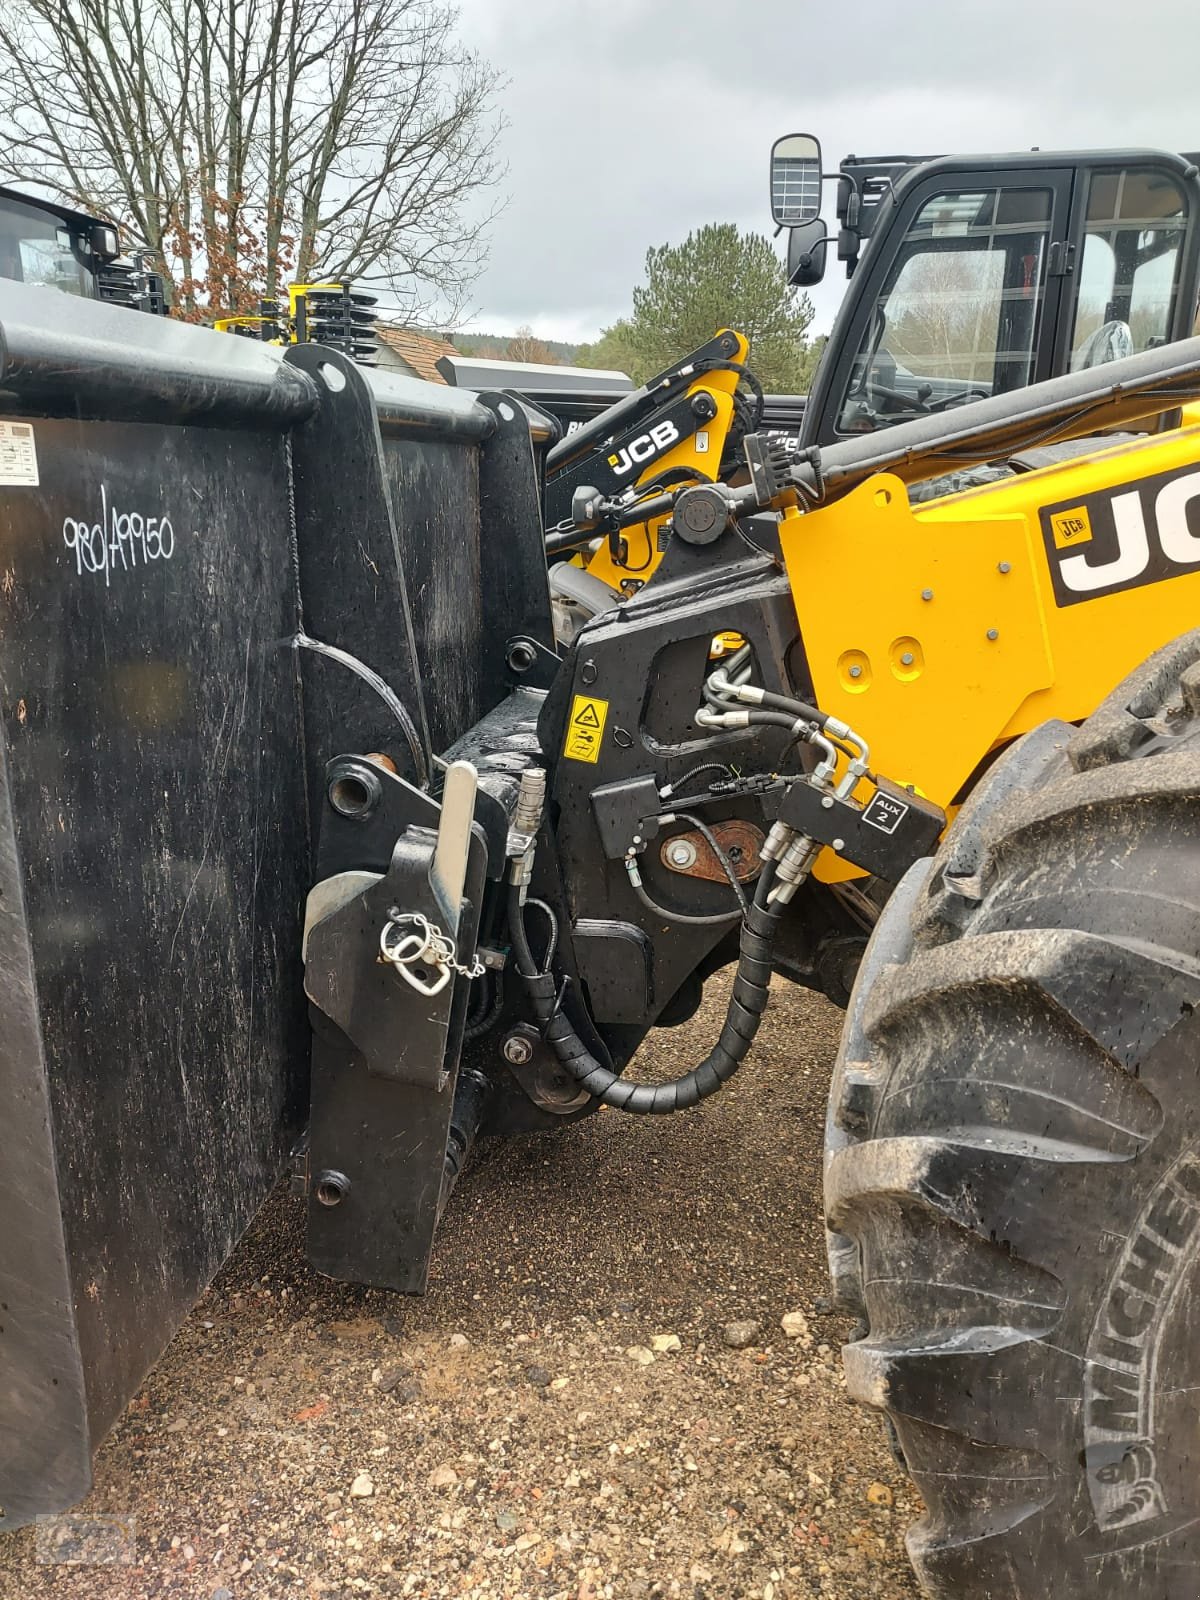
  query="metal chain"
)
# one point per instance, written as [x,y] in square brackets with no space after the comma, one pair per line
[427,945]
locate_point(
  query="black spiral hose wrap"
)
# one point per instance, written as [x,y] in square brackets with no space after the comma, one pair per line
[746,1006]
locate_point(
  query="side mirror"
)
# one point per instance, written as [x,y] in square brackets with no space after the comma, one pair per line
[807,248]
[795,179]
[104,242]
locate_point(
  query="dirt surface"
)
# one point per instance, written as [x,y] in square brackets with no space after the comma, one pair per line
[561,1416]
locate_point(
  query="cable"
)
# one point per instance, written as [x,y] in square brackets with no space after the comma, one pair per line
[416,749]
[686,918]
[626,565]
[746,1006]
[552,943]
[726,865]
[694,772]
[672,475]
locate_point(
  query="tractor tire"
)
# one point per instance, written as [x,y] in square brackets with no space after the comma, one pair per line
[1013,1170]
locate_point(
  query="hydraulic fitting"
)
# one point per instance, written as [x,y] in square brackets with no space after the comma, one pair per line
[794,866]
[527,819]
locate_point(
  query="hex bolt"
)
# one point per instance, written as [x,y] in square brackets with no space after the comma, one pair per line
[1005,566]
[517,1049]
[993,633]
[906,660]
[681,853]
[926,594]
[856,671]
[827,802]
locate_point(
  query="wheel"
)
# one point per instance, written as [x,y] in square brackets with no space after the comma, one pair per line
[1013,1166]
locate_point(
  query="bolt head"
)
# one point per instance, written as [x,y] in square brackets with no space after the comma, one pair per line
[906,660]
[517,1049]
[681,853]
[1005,566]
[993,633]
[856,671]
[926,594]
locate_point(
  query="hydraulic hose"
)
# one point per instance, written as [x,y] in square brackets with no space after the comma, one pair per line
[746,1006]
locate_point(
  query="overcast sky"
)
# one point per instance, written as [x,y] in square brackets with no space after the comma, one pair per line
[632,123]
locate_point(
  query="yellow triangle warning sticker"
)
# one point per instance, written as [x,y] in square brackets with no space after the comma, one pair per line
[585,728]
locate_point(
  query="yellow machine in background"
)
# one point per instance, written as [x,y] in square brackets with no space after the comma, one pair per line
[333,314]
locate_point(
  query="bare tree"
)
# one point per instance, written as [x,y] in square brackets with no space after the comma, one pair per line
[246,140]
[526,346]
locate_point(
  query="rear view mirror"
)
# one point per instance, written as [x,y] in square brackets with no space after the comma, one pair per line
[795,179]
[807,246]
[104,242]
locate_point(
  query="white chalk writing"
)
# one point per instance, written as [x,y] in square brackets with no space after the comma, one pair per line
[121,541]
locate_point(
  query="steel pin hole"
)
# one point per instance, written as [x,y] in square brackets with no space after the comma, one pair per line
[354,794]
[331,1188]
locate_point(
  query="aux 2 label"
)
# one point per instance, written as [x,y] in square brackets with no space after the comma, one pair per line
[1124,537]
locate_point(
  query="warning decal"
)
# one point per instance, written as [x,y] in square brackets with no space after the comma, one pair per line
[585,728]
[18,454]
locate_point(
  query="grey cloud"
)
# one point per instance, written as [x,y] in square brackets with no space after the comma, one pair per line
[631,124]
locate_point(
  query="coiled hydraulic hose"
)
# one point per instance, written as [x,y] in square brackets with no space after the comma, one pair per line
[746,1006]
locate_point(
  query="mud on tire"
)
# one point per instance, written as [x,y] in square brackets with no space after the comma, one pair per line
[1013,1174]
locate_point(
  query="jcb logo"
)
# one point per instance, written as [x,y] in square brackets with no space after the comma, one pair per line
[644,448]
[1121,539]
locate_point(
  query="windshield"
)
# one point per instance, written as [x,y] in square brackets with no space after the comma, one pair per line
[958,316]
[35,248]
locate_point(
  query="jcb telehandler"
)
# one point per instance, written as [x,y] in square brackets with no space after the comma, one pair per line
[969,276]
[316,848]
[58,247]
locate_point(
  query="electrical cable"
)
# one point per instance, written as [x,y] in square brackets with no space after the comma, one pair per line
[626,565]
[687,919]
[421,756]
[694,772]
[552,942]
[723,860]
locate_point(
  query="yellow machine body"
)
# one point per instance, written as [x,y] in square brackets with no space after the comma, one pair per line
[701,452]
[945,629]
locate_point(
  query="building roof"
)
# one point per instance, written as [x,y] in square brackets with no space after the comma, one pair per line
[478,372]
[420,351]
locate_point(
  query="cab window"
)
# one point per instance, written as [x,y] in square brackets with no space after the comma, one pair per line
[958,316]
[36,249]
[1127,278]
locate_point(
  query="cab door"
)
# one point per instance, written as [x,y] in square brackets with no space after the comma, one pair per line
[1132,260]
[962,301]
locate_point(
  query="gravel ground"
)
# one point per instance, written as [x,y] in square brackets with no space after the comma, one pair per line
[562,1415]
